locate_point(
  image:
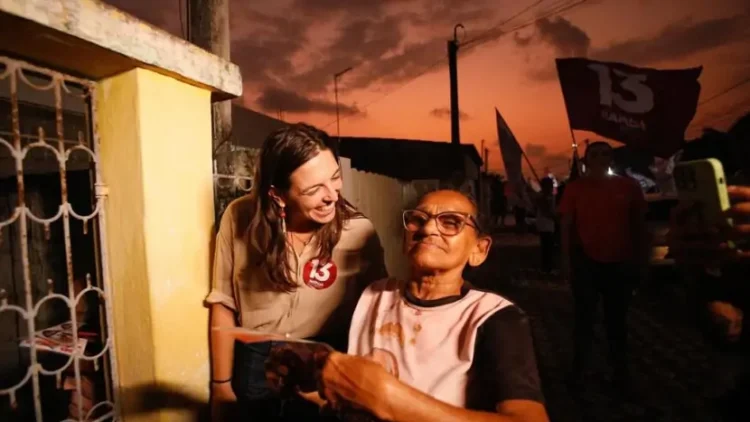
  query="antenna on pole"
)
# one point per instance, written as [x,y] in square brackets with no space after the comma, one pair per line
[336,77]
[453,70]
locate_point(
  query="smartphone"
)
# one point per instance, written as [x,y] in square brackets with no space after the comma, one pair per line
[702,183]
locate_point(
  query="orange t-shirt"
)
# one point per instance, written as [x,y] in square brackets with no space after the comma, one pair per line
[603,212]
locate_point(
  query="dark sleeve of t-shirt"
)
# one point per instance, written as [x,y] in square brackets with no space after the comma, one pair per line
[504,365]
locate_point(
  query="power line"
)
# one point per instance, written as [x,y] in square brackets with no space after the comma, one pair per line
[432,66]
[476,43]
[734,110]
[487,32]
[554,12]
[727,90]
[709,115]
[709,118]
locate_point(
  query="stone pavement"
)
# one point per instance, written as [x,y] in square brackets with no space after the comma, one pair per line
[671,365]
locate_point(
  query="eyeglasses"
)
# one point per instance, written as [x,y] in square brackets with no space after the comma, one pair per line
[449,223]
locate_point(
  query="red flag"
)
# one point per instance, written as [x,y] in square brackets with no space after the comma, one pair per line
[512,153]
[645,108]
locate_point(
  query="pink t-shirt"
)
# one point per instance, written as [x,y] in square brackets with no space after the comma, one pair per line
[429,348]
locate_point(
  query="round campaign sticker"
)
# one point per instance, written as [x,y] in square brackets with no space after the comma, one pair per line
[319,275]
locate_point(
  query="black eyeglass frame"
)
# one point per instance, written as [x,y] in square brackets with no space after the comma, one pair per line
[467,220]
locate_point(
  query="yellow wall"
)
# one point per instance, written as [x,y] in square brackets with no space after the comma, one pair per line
[156,159]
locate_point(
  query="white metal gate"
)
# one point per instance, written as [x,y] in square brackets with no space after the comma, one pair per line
[58,350]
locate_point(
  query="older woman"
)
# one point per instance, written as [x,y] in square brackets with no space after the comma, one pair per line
[434,348]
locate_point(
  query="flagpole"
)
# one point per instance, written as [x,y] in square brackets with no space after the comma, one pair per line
[530,166]
[572,134]
[565,104]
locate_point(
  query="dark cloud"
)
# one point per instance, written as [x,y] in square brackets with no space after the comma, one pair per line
[679,40]
[567,39]
[281,48]
[360,43]
[522,41]
[676,41]
[535,150]
[372,38]
[445,113]
[559,34]
[275,99]
[413,60]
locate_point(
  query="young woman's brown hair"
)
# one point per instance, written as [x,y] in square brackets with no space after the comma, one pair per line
[283,152]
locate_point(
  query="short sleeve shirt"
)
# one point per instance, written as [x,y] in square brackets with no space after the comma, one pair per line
[317,308]
[473,350]
[603,213]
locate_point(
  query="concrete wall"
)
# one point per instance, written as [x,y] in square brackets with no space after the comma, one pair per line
[159,225]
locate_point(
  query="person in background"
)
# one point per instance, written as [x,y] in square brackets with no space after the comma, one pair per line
[723,293]
[433,347]
[605,254]
[719,274]
[519,213]
[545,223]
[291,258]
[558,223]
[499,202]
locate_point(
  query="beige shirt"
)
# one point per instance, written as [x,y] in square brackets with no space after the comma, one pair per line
[239,284]
[428,348]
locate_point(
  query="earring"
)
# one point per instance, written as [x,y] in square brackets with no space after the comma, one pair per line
[282,217]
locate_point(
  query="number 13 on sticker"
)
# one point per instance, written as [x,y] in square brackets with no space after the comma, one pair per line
[319,275]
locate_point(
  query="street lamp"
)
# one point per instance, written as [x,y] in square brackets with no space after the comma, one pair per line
[336,93]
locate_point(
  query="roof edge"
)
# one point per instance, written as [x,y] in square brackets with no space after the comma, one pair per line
[107,27]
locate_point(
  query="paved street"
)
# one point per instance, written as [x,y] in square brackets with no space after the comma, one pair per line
[670,362]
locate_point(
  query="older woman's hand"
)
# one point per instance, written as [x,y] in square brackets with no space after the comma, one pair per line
[359,381]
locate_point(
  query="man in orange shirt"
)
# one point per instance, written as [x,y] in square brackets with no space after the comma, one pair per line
[605,254]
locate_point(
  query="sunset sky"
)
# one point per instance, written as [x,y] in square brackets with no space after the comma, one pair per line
[288,51]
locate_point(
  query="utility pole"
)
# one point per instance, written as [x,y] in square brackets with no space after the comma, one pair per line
[486,161]
[208,28]
[453,70]
[336,94]
[483,199]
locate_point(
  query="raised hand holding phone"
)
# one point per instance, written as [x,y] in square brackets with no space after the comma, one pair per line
[712,222]
[739,212]
[700,217]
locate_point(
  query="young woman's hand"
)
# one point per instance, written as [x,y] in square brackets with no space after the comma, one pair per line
[223,401]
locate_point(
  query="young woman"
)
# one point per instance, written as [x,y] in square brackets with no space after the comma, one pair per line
[291,258]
